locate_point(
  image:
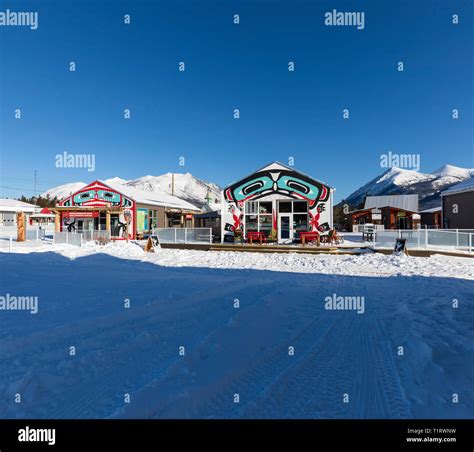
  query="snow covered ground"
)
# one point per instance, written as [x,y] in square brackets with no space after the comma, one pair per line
[252,325]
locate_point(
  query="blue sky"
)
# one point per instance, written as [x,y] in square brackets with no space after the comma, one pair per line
[190,114]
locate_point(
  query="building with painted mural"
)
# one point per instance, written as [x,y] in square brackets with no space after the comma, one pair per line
[125,212]
[278,201]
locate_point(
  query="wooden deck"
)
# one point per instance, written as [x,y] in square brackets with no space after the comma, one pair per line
[308,249]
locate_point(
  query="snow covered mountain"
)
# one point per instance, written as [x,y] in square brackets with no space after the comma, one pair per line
[186,187]
[396,181]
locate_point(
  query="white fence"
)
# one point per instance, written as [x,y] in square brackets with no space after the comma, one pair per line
[427,239]
[184,235]
[362,227]
[98,236]
[68,238]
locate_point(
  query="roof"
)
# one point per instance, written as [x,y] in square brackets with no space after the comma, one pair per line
[13,205]
[432,210]
[277,165]
[404,202]
[150,198]
[213,214]
[466,185]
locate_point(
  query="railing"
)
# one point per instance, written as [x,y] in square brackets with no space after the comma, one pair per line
[427,239]
[68,238]
[184,235]
[362,227]
[98,236]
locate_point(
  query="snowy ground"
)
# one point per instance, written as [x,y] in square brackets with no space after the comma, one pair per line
[187,298]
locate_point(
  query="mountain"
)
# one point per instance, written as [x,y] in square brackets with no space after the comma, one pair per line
[62,191]
[397,181]
[186,187]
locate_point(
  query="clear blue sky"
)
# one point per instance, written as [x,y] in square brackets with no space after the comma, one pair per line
[231,66]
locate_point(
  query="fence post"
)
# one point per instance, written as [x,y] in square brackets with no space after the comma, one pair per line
[418,236]
[210,235]
[426,238]
[185,235]
[457,238]
[37,234]
[399,233]
[67,238]
[470,243]
[175,237]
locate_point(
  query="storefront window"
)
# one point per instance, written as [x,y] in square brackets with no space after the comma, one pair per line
[284,206]
[300,222]
[300,206]
[251,223]
[265,207]
[265,222]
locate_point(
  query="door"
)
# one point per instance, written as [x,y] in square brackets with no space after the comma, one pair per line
[285,229]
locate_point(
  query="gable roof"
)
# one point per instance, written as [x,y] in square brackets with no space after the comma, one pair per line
[142,196]
[150,198]
[13,205]
[404,202]
[280,166]
[466,185]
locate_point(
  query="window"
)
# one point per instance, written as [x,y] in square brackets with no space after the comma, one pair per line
[284,207]
[251,207]
[300,206]
[265,207]
[300,222]
[153,219]
[251,223]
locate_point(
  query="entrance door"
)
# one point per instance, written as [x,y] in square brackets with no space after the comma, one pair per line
[285,228]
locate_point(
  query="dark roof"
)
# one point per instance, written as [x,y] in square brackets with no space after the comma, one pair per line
[213,214]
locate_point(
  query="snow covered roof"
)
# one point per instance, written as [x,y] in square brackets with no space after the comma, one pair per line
[404,202]
[432,210]
[150,198]
[13,205]
[466,185]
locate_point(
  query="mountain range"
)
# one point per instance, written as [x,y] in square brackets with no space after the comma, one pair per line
[186,186]
[397,181]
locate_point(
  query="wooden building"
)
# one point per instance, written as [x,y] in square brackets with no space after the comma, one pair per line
[389,211]
[124,211]
[457,205]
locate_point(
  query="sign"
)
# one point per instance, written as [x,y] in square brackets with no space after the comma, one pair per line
[76,214]
[152,243]
[189,216]
[376,216]
[400,246]
[401,214]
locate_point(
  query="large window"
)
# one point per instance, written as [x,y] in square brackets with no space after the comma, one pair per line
[258,216]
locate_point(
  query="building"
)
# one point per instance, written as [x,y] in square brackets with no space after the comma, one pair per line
[278,201]
[457,204]
[431,218]
[124,211]
[10,207]
[210,219]
[389,211]
[44,216]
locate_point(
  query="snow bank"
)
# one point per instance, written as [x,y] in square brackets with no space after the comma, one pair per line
[368,264]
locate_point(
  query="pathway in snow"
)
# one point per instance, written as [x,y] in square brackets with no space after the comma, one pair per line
[230,351]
